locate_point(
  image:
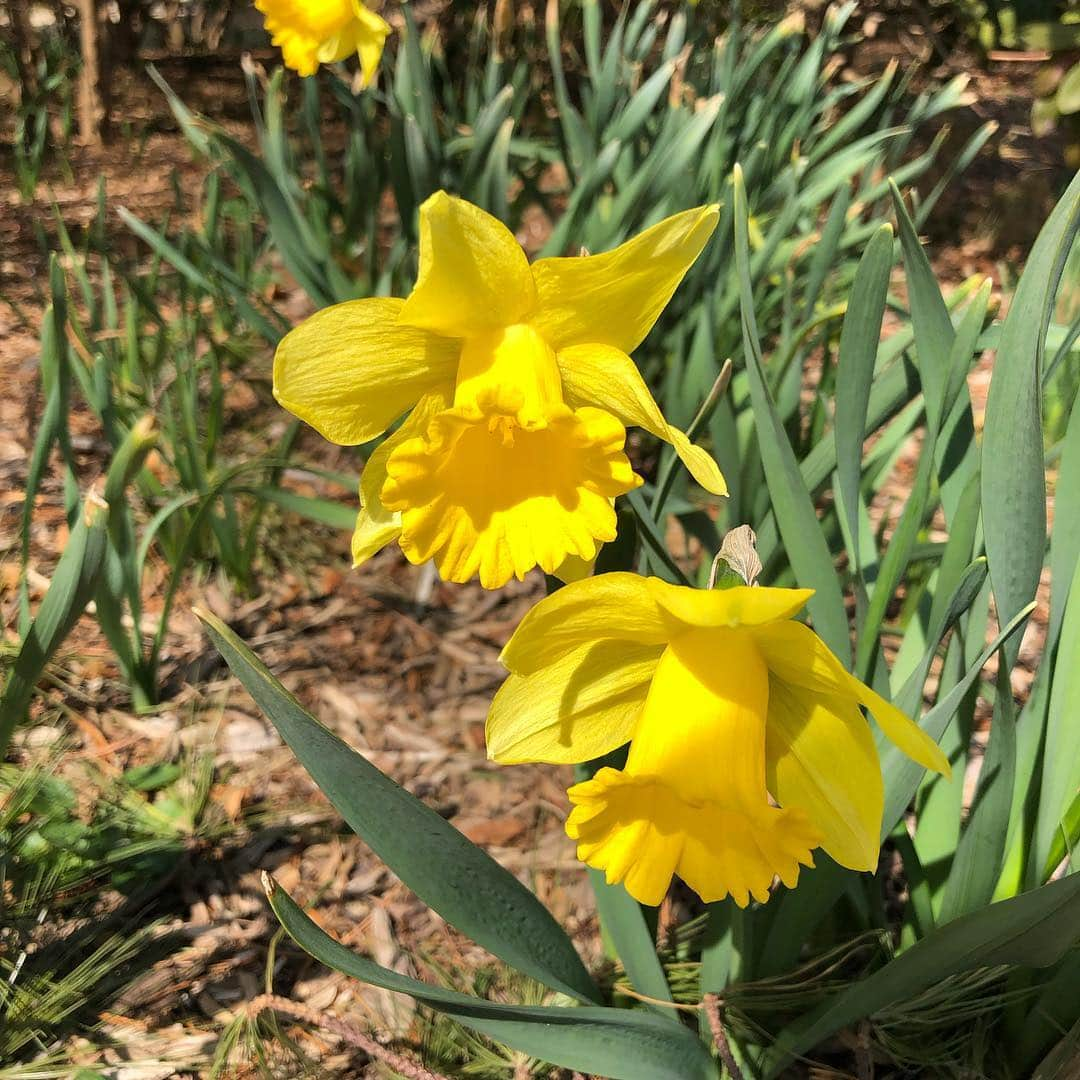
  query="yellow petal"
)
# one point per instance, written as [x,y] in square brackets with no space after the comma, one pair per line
[821,759]
[350,370]
[372,534]
[474,276]
[797,655]
[574,568]
[739,606]
[611,606]
[481,495]
[371,32]
[614,298]
[606,377]
[376,526]
[903,732]
[364,35]
[582,706]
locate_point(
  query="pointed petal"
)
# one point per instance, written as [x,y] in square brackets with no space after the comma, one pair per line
[350,370]
[606,377]
[614,298]
[376,526]
[370,34]
[608,607]
[474,276]
[903,732]
[580,707]
[798,656]
[821,759]
[574,568]
[740,606]
[372,534]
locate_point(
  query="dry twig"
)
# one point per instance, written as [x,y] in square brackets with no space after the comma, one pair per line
[711,1003]
[344,1031]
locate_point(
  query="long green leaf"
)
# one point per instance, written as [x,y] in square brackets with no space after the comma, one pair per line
[623,922]
[902,775]
[72,585]
[1061,757]
[616,1043]
[1013,478]
[859,340]
[798,523]
[1034,929]
[458,879]
[981,850]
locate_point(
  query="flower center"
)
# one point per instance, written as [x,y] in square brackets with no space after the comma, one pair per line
[510,371]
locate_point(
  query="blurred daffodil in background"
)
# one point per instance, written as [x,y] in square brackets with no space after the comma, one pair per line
[747,745]
[520,388]
[314,32]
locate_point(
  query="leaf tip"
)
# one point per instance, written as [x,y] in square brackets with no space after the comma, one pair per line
[268,883]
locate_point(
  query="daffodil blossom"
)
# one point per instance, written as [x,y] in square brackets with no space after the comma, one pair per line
[520,388]
[314,32]
[747,751]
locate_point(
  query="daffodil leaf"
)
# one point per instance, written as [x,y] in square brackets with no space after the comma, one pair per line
[980,852]
[1033,929]
[1013,473]
[902,775]
[1061,758]
[859,340]
[623,921]
[799,526]
[600,1041]
[72,585]
[1052,1012]
[325,511]
[458,879]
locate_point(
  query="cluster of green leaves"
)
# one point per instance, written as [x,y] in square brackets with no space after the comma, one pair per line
[44,119]
[150,353]
[648,119]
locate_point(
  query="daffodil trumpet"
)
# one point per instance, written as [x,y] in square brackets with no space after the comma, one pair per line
[314,32]
[518,388]
[747,746]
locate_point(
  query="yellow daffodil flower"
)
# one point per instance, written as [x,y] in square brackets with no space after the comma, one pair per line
[314,32]
[519,385]
[747,746]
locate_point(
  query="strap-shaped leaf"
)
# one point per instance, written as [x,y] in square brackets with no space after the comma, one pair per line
[72,585]
[1061,760]
[981,850]
[459,880]
[623,921]
[616,1043]
[859,340]
[1033,929]
[1013,477]
[902,775]
[799,527]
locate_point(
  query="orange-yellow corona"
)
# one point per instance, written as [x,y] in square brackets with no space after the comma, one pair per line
[314,32]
